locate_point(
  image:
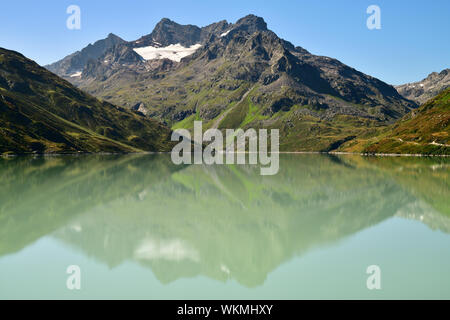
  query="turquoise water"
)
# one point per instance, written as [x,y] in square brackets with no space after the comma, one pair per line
[140,227]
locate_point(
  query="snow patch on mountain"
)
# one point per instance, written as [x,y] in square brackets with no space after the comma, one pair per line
[76,74]
[225,34]
[169,250]
[174,52]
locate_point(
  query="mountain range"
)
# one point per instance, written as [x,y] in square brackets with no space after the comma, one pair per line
[228,75]
[238,75]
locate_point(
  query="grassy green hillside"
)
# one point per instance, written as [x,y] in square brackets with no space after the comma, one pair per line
[423,131]
[301,127]
[42,113]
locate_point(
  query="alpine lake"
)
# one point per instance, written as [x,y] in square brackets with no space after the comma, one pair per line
[140,227]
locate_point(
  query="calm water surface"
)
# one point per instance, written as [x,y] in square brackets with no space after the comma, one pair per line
[141,227]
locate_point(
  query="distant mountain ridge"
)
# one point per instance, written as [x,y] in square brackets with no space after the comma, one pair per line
[241,75]
[165,33]
[168,32]
[428,88]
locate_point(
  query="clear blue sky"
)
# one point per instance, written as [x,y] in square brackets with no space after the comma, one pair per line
[413,41]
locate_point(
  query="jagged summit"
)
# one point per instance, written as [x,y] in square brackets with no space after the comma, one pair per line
[76,62]
[251,24]
[114,37]
[168,32]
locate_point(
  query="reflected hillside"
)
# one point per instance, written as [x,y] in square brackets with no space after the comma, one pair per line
[223,222]
[40,195]
[426,178]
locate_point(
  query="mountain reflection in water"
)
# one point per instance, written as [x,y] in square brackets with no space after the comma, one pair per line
[222,222]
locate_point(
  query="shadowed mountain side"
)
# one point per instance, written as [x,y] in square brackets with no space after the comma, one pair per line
[75,62]
[42,113]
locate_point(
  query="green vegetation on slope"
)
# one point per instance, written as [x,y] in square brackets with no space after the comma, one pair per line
[424,131]
[300,128]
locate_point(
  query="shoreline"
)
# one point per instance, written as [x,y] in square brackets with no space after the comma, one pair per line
[165,152]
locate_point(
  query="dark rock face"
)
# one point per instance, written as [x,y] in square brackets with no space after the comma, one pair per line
[140,107]
[282,104]
[251,24]
[168,32]
[117,57]
[182,115]
[213,30]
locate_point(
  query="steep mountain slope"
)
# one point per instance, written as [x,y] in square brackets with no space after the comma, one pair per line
[426,89]
[244,75]
[40,112]
[73,65]
[423,131]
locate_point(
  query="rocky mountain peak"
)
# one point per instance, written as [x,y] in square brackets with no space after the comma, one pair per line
[251,24]
[165,21]
[168,32]
[114,37]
